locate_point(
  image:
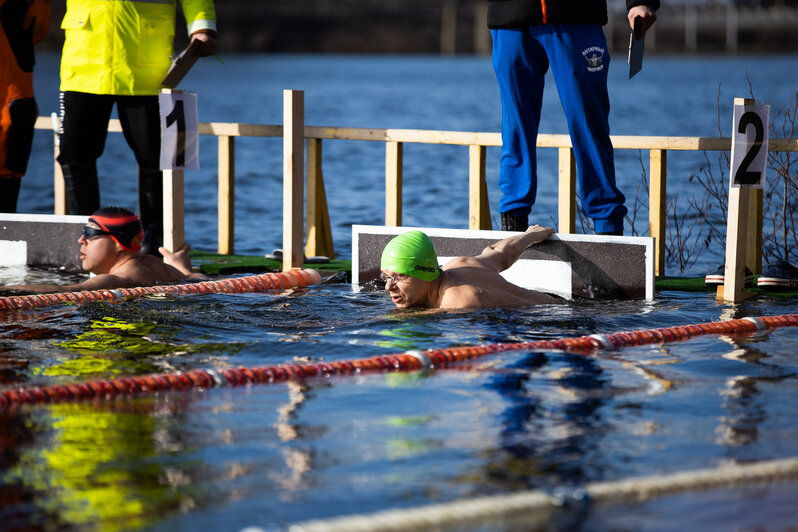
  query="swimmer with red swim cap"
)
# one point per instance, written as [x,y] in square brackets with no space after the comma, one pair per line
[109,248]
[409,268]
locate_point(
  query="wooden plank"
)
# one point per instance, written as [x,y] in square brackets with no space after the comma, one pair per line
[393,183]
[478,204]
[318,240]
[60,200]
[753,246]
[293,177]
[465,138]
[226,197]
[657,204]
[567,192]
[173,210]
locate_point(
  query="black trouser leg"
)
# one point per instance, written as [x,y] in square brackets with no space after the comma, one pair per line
[9,193]
[141,125]
[84,123]
[151,209]
[82,187]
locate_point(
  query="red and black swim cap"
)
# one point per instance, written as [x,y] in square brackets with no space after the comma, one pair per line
[123,226]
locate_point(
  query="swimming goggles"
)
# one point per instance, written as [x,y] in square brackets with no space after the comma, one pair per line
[89,232]
[396,278]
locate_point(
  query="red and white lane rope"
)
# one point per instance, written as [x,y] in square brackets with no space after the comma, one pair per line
[233,285]
[401,362]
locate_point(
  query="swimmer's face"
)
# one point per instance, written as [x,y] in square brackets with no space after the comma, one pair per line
[406,291]
[96,252]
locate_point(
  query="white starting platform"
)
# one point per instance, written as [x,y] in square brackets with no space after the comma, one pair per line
[41,240]
[569,265]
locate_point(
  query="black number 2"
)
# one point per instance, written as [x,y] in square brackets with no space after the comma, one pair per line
[179,116]
[744,176]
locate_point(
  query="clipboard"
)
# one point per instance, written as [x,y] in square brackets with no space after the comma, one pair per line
[182,65]
[636,48]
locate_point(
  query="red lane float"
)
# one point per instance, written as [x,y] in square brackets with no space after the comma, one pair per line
[233,285]
[201,379]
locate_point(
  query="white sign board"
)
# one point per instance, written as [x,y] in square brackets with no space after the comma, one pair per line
[749,145]
[179,130]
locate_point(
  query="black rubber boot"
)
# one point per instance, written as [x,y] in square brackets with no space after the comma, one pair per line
[514,222]
[9,193]
[82,187]
[151,210]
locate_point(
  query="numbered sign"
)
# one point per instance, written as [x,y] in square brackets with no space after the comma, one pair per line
[179,130]
[749,145]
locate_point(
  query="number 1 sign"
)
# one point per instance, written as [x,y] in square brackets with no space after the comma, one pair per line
[749,145]
[179,130]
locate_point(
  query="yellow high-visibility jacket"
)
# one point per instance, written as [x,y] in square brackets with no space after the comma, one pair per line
[123,47]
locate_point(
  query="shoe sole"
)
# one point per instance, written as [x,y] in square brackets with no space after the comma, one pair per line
[720,279]
[777,282]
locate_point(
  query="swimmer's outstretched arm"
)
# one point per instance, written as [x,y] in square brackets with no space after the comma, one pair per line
[504,253]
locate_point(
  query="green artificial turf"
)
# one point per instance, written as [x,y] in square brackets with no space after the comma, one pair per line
[216,264]
[690,284]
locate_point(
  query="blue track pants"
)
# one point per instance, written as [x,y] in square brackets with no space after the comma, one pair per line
[577,54]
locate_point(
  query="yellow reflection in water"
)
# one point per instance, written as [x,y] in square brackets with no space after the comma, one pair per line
[99,470]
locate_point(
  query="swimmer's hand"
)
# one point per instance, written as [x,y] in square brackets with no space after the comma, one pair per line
[178,259]
[540,233]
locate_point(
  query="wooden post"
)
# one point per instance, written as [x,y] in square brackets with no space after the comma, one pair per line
[393,183]
[60,203]
[567,192]
[737,231]
[732,27]
[753,245]
[293,177]
[737,223]
[657,203]
[482,38]
[691,28]
[174,235]
[478,205]
[318,240]
[448,27]
[226,206]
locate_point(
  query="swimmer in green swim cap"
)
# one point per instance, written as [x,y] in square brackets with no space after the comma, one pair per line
[409,267]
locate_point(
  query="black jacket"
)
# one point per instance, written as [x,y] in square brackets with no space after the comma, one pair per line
[521,13]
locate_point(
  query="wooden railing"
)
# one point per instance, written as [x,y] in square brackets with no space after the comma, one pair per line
[318,236]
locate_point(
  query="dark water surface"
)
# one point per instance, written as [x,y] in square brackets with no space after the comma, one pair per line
[270,455]
[673,96]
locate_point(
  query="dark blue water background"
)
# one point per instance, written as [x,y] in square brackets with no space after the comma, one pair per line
[673,96]
[267,456]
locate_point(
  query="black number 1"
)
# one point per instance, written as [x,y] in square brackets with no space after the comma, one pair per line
[179,116]
[743,176]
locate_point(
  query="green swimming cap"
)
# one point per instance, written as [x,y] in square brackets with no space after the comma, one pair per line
[411,253]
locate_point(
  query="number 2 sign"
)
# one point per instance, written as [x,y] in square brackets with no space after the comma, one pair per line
[749,145]
[179,130]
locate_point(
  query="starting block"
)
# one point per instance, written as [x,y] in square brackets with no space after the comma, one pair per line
[569,265]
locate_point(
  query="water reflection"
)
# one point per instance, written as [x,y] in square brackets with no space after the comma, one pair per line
[551,423]
[99,466]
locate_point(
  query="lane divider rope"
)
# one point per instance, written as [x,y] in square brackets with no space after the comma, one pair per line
[529,507]
[233,285]
[430,359]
